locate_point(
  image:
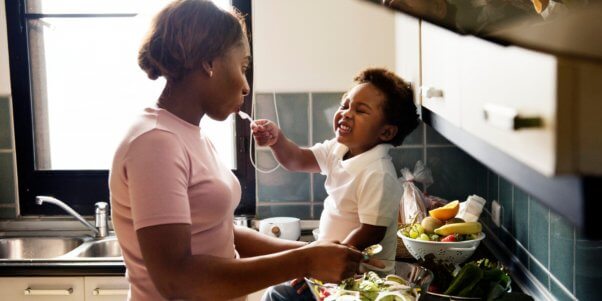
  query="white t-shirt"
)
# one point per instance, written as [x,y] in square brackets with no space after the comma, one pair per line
[361,190]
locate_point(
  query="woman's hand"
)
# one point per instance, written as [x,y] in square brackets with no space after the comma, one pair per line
[331,261]
[265,132]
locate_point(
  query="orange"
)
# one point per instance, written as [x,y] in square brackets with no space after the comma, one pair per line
[446,212]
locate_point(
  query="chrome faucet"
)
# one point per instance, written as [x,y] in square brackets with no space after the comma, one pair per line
[100,228]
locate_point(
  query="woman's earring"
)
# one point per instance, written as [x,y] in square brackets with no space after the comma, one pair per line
[210,73]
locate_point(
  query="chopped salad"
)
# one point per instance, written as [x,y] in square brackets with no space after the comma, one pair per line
[368,287]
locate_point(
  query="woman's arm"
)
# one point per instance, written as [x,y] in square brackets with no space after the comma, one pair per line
[178,274]
[252,243]
[290,155]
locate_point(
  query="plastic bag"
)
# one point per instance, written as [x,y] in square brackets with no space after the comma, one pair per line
[413,204]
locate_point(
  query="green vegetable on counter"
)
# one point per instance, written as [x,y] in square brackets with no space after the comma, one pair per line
[467,278]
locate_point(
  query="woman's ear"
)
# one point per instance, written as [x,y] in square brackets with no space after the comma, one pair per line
[208,67]
[388,132]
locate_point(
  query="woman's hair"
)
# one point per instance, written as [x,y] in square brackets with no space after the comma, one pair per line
[399,107]
[185,34]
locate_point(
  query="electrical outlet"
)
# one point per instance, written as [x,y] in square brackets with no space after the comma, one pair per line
[496,212]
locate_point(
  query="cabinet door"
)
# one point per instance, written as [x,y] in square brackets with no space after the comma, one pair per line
[42,288]
[106,288]
[498,83]
[407,45]
[441,72]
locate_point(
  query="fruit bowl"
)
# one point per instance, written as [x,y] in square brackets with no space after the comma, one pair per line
[451,252]
[413,281]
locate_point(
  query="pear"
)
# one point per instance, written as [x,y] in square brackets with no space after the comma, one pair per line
[430,223]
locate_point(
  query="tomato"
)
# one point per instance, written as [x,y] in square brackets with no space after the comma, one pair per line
[450,238]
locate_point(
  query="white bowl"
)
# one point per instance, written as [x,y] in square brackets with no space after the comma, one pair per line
[453,252]
[281,227]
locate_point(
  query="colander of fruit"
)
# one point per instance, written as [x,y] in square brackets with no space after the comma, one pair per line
[448,238]
[407,283]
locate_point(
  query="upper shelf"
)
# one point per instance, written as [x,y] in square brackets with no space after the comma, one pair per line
[566,28]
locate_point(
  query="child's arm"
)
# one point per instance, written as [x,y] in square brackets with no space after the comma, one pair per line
[365,235]
[289,154]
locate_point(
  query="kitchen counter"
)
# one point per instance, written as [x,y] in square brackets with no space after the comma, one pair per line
[41,268]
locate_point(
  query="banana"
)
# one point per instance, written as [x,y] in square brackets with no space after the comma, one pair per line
[459,228]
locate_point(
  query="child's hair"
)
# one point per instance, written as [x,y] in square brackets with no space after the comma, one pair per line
[399,108]
[185,34]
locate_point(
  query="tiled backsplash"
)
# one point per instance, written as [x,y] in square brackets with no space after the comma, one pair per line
[545,243]
[548,247]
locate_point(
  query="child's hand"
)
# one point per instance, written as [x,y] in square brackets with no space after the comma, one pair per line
[299,284]
[265,132]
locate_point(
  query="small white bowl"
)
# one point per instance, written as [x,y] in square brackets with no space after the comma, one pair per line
[453,252]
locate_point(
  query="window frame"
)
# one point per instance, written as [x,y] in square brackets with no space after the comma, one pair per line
[80,189]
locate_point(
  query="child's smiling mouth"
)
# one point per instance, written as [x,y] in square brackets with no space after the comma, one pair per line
[344,128]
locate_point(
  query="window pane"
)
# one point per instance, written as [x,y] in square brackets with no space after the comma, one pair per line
[87,89]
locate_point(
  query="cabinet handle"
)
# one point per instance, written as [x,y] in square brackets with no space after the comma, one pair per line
[508,119]
[431,92]
[47,292]
[109,292]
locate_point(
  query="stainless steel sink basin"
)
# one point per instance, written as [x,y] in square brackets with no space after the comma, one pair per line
[108,247]
[19,248]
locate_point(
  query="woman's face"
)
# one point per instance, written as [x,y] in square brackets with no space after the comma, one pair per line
[360,120]
[229,81]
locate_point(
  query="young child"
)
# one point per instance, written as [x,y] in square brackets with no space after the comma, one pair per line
[363,191]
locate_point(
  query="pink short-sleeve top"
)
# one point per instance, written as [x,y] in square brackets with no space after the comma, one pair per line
[165,171]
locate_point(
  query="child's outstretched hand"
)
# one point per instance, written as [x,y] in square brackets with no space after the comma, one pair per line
[265,132]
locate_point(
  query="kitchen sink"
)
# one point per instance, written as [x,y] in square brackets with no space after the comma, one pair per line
[22,248]
[108,247]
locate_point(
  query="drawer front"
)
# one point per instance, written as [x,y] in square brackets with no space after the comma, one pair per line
[441,72]
[498,83]
[106,288]
[42,288]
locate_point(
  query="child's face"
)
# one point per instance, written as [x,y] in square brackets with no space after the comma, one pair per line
[360,122]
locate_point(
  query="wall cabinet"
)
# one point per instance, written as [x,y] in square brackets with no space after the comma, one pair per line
[64,288]
[440,89]
[528,104]
[531,117]
[407,41]
[509,100]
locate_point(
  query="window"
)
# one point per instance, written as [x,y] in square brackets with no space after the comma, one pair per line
[81,92]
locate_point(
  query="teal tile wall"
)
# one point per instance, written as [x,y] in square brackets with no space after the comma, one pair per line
[5,128]
[281,185]
[324,105]
[8,195]
[545,243]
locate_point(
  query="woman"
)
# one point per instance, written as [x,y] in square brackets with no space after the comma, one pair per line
[172,199]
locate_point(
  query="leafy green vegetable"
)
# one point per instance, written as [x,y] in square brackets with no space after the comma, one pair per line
[467,278]
[482,278]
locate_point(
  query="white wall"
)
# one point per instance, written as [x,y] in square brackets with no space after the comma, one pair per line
[317,45]
[4,71]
